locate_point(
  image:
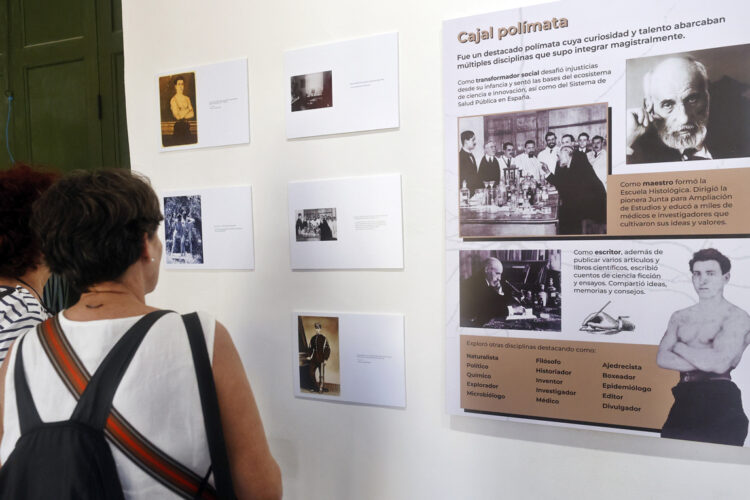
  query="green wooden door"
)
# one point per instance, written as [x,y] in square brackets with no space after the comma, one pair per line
[65,72]
[4,37]
[115,150]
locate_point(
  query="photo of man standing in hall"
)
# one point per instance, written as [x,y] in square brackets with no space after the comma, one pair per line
[319,357]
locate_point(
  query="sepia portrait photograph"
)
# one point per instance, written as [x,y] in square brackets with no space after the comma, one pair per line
[316,224]
[179,125]
[510,289]
[319,370]
[312,91]
[183,230]
[535,173]
[688,106]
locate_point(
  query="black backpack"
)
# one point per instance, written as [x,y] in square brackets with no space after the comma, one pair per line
[71,459]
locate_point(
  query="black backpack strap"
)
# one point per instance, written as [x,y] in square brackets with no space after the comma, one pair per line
[28,416]
[7,292]
[121,433]
[210,404]
[96,401]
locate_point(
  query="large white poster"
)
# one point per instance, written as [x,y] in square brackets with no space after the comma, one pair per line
[596,191]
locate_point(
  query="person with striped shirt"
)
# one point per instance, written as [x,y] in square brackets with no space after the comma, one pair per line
[23,272]
[19,310]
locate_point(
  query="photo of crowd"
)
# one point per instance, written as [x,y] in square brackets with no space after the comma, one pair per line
[534,173]
[316,224]
[183,230]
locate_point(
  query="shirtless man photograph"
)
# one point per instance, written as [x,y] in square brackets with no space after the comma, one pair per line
[705,342]
[176,94]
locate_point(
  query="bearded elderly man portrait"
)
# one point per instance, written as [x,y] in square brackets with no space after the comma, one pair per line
[684,117]
[486,295]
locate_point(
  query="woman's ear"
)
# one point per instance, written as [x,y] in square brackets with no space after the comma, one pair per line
[146,249]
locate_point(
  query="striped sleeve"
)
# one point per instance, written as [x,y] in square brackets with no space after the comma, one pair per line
[19,311]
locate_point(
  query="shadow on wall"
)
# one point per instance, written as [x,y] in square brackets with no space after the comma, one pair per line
[603,441]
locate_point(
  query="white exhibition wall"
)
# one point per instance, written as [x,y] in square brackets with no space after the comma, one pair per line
[340,451]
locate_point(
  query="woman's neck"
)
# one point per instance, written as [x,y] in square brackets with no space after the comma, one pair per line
[109,300]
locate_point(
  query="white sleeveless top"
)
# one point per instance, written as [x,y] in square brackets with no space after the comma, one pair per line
[158,394]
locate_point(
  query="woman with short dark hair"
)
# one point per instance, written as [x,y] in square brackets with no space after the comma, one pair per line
[98,231]
[23,272]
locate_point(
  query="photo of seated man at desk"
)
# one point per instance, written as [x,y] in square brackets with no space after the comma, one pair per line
[510,289]
[538,174]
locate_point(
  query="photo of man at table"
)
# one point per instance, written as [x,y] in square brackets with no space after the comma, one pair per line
[510,289]
[536,173]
